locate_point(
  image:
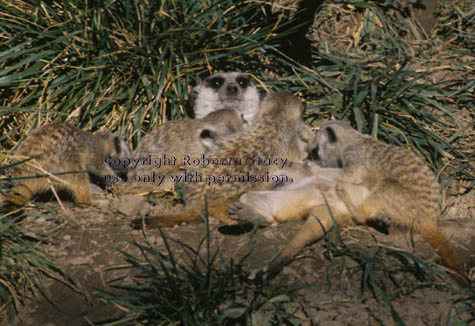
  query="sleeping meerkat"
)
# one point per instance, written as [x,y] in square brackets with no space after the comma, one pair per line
[59,148]
[226,90]
[178,140]
[275,134]
[362,179]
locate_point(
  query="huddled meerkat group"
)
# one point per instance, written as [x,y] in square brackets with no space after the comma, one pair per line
[177,140]
[244,149]
[362,180]
[234,167]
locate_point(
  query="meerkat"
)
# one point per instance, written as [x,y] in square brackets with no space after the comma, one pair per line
[66,154]
[226,90]
[234,168]
[361,179]
[176,141]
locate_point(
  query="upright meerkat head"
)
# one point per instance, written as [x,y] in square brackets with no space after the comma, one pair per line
[219,124]
[226,90]
[333,136]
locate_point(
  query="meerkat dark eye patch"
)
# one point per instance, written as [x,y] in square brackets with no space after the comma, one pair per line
[243,81]
[331,135]
[340,163]
[117,144]
[215,82]
[313,154]
[206,133]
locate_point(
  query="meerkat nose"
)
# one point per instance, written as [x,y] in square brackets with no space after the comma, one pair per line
[232,89]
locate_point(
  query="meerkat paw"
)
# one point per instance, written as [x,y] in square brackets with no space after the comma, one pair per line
[259,276]
[380,222]
[244,213]
[141,222]
[341,192]
[381,218]
[265,274]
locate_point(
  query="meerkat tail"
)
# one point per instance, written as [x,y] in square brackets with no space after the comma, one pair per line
[167,220]
[189,215]
[432,235]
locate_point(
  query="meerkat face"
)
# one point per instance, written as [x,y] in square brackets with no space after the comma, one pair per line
[226,90]
[218,125]
[121,151]
[306,140]
[110,145]
[327,148]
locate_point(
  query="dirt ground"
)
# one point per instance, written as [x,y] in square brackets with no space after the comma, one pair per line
[86,240]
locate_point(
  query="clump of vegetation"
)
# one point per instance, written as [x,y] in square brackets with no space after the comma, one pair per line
[388,273]
[196,289]
[121,64]
[201,287]
[23,265]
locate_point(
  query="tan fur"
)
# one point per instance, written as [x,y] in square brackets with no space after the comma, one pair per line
[58,148]
[276,134]
[377,182]
[177,139]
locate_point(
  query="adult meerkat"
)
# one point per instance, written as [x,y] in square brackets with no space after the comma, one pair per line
[362,179]
[226,90]
[274,137]
[59,148]
[176,141]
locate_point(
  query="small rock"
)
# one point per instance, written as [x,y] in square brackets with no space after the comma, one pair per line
[131,205]
[40,220]
[81,261]
[269,234]
[67,237]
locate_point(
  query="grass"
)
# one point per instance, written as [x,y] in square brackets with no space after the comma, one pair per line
[124,65]
[180,284]
[387,273]
[195,289]
[23,266]
[23,263]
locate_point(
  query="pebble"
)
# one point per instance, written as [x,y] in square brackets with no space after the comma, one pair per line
[40,220]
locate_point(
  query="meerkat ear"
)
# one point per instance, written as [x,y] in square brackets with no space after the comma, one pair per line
[121,147]
[331,135]
[191,102]
[208,138]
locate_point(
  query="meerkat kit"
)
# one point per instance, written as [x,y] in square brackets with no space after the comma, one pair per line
[65,156]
